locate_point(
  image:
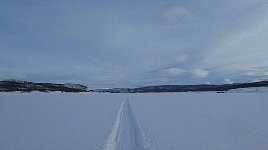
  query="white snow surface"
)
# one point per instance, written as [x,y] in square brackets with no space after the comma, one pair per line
[125,133]
[151,121]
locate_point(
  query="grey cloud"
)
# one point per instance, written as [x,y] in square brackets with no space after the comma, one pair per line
[176,13]
[173,72]
[116,43]
[51,76]
[228,81]
[182,58]
[257,72]
[200,73]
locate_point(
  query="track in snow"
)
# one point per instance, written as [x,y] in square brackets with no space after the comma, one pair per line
[125,134]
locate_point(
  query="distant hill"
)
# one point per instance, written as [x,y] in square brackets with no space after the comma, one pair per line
[185,88]
[24,86]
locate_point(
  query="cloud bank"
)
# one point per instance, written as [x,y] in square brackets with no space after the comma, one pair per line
[122,43]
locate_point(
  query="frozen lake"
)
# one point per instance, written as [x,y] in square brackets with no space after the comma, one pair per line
[152,121]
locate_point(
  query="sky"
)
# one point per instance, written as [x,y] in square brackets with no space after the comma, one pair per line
[126,43]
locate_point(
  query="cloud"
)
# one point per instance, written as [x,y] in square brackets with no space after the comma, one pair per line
[51,76]
[182,58]
[200,73]
[177,12]
[256,80]
[174,72]
[240,49]
[228,81]
[4,75]
[208,83]
[81,39]
[257,72]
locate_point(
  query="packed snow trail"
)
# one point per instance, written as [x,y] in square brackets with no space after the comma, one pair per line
[125,134]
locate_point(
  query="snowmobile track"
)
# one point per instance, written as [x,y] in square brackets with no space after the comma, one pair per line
[125,134]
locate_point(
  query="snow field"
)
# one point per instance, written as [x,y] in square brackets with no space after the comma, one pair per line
[152,121]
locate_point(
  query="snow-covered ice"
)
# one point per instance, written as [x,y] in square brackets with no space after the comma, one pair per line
[125,133]
[204,121]
[161,121]
[55,121]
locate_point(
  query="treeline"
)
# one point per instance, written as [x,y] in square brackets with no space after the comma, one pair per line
[24,86]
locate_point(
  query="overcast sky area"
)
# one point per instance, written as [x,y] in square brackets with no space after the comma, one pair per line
[131,43]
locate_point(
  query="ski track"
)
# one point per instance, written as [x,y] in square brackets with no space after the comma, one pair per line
[125,134]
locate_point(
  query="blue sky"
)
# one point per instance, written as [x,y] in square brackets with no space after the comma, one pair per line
[126,43]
